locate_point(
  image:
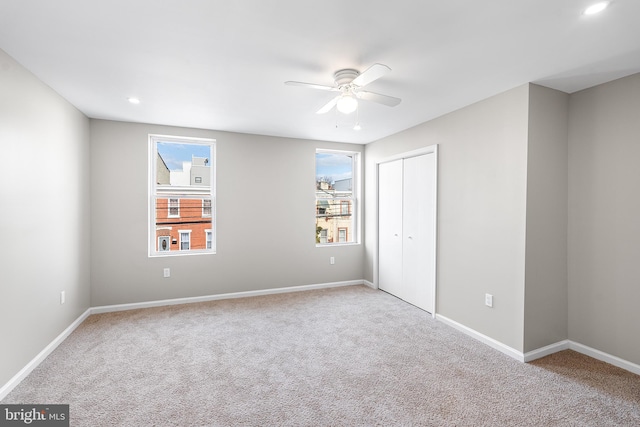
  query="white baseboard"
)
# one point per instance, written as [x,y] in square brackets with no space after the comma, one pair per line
[245,294]
[605,357]
[369,284]
[543,351]
[503,348]
[22,374]
[546,350]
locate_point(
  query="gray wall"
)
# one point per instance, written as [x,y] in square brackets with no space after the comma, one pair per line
[481,210]
[266,219]
[604,218]
[44,220]
[545,311]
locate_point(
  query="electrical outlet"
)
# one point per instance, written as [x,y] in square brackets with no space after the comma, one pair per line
[488,300]
[62,297]
[332,260]
[167,272]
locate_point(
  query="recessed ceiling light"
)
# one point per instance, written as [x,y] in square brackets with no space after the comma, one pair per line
[133,100]
[596,8]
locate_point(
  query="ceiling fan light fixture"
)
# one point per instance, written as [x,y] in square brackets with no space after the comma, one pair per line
[347,104]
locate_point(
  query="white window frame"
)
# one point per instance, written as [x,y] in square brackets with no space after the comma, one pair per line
[184,233]
[356,213]
[169,207]
[158,192]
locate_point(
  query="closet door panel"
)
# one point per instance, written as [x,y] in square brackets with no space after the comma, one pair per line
[419,232]
[390,227]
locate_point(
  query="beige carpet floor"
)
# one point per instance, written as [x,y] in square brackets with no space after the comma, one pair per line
[349,356]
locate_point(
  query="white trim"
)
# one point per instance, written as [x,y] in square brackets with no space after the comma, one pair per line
[605,357]
[543,351]
[245,294]
[22,374]
[414,153]
[546,350]
[370,284]
[180,233]
[503,348]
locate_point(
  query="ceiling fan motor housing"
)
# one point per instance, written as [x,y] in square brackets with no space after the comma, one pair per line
[345,77]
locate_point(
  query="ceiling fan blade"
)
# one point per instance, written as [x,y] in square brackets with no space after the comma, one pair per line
[380,99]
[371,74]
[328,106]
[312,86]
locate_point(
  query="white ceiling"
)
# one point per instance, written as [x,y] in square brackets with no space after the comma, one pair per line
[222,64]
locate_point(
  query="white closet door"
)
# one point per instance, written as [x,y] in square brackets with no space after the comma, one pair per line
[419,231]
[390,228]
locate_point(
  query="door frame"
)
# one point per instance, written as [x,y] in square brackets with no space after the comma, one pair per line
[431,149]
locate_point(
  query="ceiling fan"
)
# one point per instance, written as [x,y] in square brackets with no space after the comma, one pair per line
[350,84]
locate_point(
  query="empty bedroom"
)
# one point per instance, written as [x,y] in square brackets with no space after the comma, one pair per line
[298,213]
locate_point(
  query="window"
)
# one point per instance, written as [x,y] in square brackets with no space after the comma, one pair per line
[337,175]
[181,195]
[185,240]
[206,208]
[174,208]
[344,207]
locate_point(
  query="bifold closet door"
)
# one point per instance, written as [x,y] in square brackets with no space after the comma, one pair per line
[406,229]
[390,227]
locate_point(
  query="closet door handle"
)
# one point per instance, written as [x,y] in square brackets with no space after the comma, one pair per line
[410,237]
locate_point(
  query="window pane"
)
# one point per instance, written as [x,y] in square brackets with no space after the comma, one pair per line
[335,197]
[191,217]
[334,174]
[183,165]
[333,216]
[182,195]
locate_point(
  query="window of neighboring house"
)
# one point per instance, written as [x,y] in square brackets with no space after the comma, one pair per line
[344,207]
[185,240]
[174,208]
[206,207]
[181,195]
[208,237]
[337,195]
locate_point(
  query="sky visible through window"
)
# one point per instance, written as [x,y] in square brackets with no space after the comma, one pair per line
[174,154]
[333,165]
